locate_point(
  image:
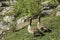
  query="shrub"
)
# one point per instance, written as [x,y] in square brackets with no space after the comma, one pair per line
[26,7]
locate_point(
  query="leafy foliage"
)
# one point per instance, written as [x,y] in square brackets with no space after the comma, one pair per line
[27,7]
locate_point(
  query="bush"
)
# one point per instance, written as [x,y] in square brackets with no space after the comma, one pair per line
[30,7]
[26,7]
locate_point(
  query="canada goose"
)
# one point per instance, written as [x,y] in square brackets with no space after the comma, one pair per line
[41,27]
[34,31]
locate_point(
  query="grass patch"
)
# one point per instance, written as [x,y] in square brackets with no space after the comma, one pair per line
[52,22]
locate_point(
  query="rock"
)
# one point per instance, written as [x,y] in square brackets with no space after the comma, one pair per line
[50,11]
[58,8]
[14,1]
[21,20]
[0,31]
[8,18]
[58,13]
[2,38]
[5,3]
[45,8]
[45,3]
[0,4]
[48,4]
[5,10]
[1,9]
[4,26]
[8,3]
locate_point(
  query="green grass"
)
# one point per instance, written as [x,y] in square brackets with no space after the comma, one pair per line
[51,22]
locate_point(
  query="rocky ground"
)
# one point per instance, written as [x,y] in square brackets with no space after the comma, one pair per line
[5,8]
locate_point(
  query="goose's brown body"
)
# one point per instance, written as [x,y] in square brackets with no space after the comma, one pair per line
[42,27]
[32,30]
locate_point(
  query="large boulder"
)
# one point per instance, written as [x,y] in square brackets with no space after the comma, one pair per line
[49,12]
